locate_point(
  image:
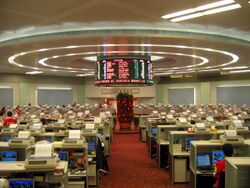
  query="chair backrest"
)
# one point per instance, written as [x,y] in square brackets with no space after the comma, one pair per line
[222,180]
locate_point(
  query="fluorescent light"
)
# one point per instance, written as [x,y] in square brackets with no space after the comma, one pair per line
[232,68]
[34,72]
[222,9]
[42,50]
[212,5]
[209,70]
[156,58]
[239,71]
[179,13]
[190,16]
[199,8]
[91,58]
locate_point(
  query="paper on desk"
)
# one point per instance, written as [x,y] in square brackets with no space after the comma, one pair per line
[60,120]
[230,133]
[200,125]
[210,119]
[43,150]
[75,134]
[183,120]
[238,123]
[97,119]
[170,116]
[155,112]
[90,126]
[79,114]
[24,134]
[235,117]
[12,126]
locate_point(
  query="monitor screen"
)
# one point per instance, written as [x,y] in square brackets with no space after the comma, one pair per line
[188,142]
[203,161]
[153,131]
[217,156]
[50,140]
[20,183]
[63,155]
[9,156]
[6,139]
[91,146]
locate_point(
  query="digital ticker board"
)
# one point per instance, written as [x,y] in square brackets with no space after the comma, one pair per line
[123,72]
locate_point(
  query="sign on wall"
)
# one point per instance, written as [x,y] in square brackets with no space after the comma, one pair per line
[120,90]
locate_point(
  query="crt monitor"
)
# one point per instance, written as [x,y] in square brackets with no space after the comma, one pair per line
[6,139]
[21,183]
[188,142]
[153,131]
[217,156]
[203,161]
[9,155]
[63,155]
[91,146]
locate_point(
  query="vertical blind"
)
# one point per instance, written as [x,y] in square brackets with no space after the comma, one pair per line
[238,95]
[54,96]
[6,97]
[181,96]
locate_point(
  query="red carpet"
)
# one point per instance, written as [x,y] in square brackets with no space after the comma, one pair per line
[131,166]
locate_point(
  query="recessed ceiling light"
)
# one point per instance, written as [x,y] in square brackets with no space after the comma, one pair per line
[209,70]
[213,5]
[71,47]
[179,13]
[239,71]
[196,9]
[70,54]
[208,12]
[42,50]
[222,9]
[156,58]
[34,72]
[80,75]
[232,68]
[91,58]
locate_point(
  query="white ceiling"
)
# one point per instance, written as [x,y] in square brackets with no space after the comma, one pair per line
[55,36]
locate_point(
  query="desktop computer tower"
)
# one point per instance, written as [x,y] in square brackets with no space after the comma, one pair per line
[180,170]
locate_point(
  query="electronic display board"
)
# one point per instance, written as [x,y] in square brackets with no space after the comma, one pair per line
[123,72]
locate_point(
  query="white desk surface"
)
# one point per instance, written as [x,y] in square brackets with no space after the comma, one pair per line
[19,167]
[239,161]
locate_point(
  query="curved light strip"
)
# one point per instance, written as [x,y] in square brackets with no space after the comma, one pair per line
[11,59]
[204,60]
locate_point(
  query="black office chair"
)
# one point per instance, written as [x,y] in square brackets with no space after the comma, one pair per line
[222,180]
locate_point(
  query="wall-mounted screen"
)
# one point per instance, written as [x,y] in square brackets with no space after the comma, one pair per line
[123,72]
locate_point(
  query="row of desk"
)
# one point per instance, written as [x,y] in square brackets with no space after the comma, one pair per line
[168,146]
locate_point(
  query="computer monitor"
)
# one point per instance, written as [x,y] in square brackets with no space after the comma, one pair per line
[203,161]
[50,140]
[153,131]
[9,156]
[217,156]
[20,183]
[188,142]
[91,146]
[6,139]
[63,155]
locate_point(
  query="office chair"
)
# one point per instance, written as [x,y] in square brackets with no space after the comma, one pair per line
[102,162]
[222,180]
